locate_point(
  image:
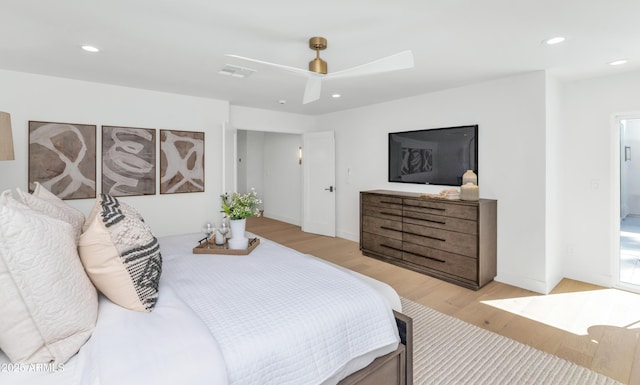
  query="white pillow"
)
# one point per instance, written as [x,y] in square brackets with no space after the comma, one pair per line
[42,200]
[121,255]
[6,199]
[49,307]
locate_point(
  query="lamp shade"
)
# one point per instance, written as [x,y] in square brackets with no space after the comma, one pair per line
[6,137]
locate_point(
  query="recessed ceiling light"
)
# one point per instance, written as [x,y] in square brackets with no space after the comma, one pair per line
[335,96]
[618,62]
[554,40]
[90,48]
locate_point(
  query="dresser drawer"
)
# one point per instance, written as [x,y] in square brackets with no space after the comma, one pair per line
[386,246]
[381,201]
[441,208]
[385,227]
[418,217]
[443,261]
[382,212]
[454,242]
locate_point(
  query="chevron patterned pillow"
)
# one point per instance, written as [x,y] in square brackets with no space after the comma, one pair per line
[121,255]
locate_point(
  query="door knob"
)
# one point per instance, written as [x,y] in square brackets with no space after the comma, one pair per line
[330,189]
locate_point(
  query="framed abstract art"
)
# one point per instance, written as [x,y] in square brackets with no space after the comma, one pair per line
[181,161]
[128,161]
[62,158]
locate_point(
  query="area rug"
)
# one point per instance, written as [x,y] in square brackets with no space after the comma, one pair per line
[448,351]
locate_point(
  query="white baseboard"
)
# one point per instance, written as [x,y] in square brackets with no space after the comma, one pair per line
[348,235]
[603,280]
[522,282]
[293,221]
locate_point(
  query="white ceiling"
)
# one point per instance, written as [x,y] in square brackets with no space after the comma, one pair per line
[179,46]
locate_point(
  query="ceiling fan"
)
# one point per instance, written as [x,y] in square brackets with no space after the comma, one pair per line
[318,68]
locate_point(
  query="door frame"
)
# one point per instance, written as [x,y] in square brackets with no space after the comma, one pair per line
[616,180]
[230,173]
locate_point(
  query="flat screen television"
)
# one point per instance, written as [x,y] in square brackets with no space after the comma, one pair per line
[433,156]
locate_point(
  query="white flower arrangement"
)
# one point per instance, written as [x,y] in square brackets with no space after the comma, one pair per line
[241,206]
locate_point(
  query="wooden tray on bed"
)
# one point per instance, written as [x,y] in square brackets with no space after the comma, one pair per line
[220,249]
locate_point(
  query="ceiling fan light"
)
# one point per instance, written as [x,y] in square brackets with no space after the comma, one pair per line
[318,65]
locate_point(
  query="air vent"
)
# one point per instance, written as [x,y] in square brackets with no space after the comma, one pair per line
[236,71]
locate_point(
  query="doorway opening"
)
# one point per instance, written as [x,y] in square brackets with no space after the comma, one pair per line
[629,162]
[268,163]
[293,190]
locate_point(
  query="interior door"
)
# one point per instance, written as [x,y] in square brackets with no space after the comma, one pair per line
[318,183]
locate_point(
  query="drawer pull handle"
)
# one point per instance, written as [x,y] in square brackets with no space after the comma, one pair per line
[392,214]
[427,207]
[426,236]
[391,203]
[390,247]
[427,220]
[388,228]
[424,256]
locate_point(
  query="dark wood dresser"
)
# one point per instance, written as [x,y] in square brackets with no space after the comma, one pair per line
[448,239]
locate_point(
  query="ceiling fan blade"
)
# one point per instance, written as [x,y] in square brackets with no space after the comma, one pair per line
[399,61]
[294,70]
[402,60]
[312,90]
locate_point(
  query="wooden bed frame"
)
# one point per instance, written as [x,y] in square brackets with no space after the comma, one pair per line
[395,368]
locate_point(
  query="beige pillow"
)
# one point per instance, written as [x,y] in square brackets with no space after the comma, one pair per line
[42,200]
[49,306]
[121,255]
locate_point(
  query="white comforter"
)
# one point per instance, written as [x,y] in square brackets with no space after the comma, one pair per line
[281,317]
[212,306]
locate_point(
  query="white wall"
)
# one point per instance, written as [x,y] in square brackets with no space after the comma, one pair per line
[590,188]
[249,162]
[554,161]
[510,113]
[283,178]
[255,156]
[241,161]
[33,97]
[255,119]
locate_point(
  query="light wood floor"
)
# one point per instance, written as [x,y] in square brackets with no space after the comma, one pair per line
[544,322]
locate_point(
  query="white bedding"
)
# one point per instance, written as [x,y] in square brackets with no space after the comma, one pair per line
[184,339]
[303,324]
[170,345]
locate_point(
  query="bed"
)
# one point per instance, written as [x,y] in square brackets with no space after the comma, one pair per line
[275,316]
